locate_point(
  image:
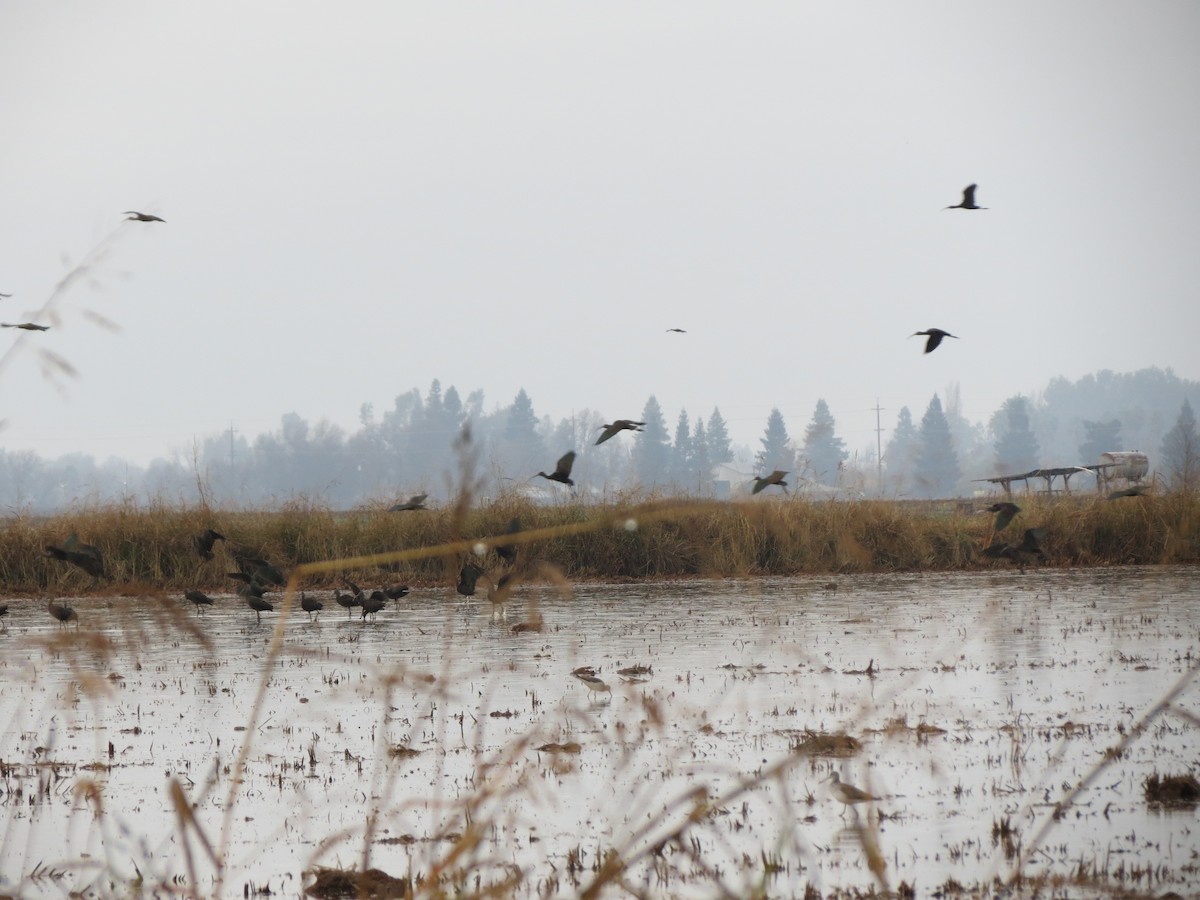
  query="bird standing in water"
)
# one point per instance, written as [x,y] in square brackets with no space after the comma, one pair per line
[848,794]
[260,606]
[766,481]
[935,336]
[596,686]
[968,199]
[310,605]
[199,599]
[62,613]
[562,470]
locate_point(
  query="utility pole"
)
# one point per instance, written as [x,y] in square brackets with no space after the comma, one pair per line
[879,446]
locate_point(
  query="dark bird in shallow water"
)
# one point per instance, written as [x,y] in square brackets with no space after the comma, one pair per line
[260,606]
[62,613]
[81,555]
[346,602]
[374,603]
[416,501]
[204,543]
[562,470]
[310,605]
[199,599]
[3,610]
[766,481]
[25,326]
[968,199]
[396,593]
[135,216]
[935,336]
[617,427]
[1021,554]
[468,575]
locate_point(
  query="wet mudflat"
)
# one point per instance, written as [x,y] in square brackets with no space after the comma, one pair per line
[437,743]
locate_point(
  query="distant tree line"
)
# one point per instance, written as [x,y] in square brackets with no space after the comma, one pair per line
[409,449]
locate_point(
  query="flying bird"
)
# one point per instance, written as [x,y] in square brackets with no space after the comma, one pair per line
[765,481]
[1004,514]
[677,330]
[135,216]
[80,555]
[617,427]
[562,470]
[935,336]
[204,543]
[25,326]
[1138,490]
[968,200]
[5,296]
[1023,553]
[258,569]
[416,501]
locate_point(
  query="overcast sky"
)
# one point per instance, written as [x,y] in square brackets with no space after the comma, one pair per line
[363,197]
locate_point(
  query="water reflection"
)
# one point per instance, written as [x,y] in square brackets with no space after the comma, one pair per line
[976,701]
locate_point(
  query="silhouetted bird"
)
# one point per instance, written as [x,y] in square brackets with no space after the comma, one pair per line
[259,569]
[417,501]
[204,543]
[63,613]
[5,296]
[374,603]
[508,552]
[251,586]
[468,575]
[968,200]
[617,427]
[135,216]
[677,330]
[848,794]
[199,599]
[1023,553]
[3,609]
[396,593]
[346,602]
[260,606]
[1004,514]
[1138,490]
[562,470]
[311,606]
[765,481]
[935,338]
[83,556]
[25,326]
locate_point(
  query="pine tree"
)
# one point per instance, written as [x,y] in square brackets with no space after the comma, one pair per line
[700,462]
[652,450]
[902,450]
[1100,437]
[1181,452]
[680,453]
[522,449]
[720,449]
[1016,446]
[776,452]
[824,451]
[936,472]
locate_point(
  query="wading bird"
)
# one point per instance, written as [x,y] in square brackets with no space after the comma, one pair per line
[562,470]
[199,599]
[135,216]
[968,200]
[311,606]
[25,326]
[63,613]
[373,604]
[596,686]
[260,606]
[251,585]
[935,337]
[204,543]
[396,593]
[416,501]
[1023,553]
[83,556]
[617,427]
[346,602]
[765,481]
[848,794]
[498,591]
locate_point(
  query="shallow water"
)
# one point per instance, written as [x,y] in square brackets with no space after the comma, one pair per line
[1020,685]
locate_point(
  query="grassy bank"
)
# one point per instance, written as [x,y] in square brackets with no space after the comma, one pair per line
[151,548]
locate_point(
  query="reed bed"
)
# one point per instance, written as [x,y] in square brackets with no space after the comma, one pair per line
[149,549]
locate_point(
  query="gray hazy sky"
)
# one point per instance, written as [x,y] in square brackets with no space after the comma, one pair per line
[364,197]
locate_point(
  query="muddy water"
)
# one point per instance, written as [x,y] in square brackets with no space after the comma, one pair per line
[977,703]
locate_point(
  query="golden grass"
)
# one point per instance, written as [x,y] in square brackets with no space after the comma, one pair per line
[149,549]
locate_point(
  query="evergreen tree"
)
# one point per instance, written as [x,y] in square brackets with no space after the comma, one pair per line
[700,462]
[720,449]
[521,448]
[824,451]
[1100,437]
[936,472]
[1016,446]
[776,452]
[652,450]
[680,453]
[1181,452]
[900,455]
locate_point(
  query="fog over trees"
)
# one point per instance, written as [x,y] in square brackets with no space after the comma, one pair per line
[408,449]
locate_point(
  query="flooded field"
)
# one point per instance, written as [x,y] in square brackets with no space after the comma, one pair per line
[1006,724]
